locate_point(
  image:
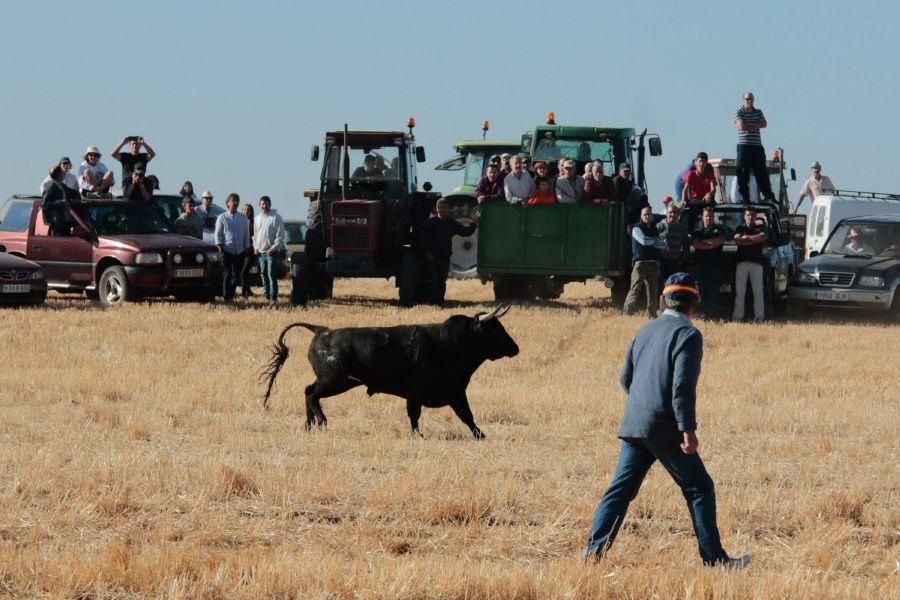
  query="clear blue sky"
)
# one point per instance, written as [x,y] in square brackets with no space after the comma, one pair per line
[231,95]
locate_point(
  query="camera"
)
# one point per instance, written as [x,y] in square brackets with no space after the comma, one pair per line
[133,138]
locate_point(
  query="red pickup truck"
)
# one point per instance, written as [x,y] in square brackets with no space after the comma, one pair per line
[117,250]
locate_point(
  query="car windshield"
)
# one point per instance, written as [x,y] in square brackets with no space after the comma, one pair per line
[169,206]
[371,163]
[552,149]
[865,239]
[118,218]
[729,220]
[729,191]
[294,233]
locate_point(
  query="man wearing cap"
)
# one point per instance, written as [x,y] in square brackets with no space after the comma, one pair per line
[646,246]
[505,164]
[751,156]
[93,175]
[707,242]
[662,367]
[629,194]
[56,201]
[135,158]
[368,170]
[189,222]
[205,208]
[814,186]
[138,187]
[69,178]
[570,186]
[518,186]
[490,187]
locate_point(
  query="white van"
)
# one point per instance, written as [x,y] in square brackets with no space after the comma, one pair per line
[828,209]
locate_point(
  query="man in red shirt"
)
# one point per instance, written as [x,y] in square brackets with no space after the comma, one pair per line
[699,185]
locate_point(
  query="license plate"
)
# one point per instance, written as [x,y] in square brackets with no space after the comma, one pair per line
[839,296]
[188,272]
[15,288]
[726,288]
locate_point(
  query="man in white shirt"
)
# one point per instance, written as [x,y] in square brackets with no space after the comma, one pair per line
[569,187]
[518,185]
[69,178]
[268,243]
[93,175]
[817,184]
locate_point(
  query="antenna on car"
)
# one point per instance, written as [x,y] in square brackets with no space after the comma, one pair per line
[346,170]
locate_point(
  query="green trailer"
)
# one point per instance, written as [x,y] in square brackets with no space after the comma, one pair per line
[533,251]
[471,158]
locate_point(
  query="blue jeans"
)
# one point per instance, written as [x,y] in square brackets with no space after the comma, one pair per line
[709,280]
[268,272]
[636,458]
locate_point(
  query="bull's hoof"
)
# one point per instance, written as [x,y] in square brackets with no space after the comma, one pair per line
[478,434]
[417,434]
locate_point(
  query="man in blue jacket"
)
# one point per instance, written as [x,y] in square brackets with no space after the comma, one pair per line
[660,377]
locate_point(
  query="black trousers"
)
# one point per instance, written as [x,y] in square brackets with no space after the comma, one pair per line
[249,261]
[232,266]
[437,276]
[752,159]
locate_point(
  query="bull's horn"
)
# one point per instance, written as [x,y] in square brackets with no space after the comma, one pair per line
[504,311]
[489,316]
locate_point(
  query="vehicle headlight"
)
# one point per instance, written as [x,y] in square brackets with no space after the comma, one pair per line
[39,274]
[214,257]
[804,277]
[148,258]
[200,258]
[871,281]
[177,259]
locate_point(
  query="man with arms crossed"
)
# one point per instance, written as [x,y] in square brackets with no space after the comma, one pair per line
[660,376]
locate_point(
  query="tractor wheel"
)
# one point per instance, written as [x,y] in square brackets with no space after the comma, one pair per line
[619,292]
[511,288]
[409,267]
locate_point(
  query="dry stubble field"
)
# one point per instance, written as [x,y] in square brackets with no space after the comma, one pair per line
[136,461]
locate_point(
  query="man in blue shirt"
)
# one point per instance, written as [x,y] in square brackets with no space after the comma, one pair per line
[660,376]
[232,240]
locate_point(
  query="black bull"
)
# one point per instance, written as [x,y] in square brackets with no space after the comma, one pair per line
[428,365]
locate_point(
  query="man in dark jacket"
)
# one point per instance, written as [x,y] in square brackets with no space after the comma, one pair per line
[436,239]
[490,186]
[56,201]
[660,376]
[646,245]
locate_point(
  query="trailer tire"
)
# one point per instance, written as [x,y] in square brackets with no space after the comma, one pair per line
[511,288]
[409,267]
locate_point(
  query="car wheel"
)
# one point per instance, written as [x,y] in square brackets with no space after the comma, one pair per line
[114,287]
[409,267]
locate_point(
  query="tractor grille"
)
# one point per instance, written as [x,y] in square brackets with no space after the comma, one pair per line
[14,275]
[836,279]
[352,238]
[351,209]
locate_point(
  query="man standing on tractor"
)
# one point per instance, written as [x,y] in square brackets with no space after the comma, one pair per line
[815,185]
[437,241]
[751,156]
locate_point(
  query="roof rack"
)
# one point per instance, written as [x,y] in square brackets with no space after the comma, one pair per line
[875,195]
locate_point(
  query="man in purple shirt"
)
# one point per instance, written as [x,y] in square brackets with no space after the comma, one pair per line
[490,186]
[436,239]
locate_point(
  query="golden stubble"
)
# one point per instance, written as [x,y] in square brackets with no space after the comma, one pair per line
[137,460]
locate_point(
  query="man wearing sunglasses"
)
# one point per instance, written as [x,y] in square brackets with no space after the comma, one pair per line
[93,175]
[751,156]
[69,179]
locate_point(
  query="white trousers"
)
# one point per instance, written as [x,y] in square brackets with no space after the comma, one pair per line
[754,272]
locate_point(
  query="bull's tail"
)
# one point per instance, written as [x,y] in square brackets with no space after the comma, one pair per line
[280,353]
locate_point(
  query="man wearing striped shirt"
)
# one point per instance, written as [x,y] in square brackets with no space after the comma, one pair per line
[751,156]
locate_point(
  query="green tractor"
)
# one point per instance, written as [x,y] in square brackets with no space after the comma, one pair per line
[472,157]
[533,251]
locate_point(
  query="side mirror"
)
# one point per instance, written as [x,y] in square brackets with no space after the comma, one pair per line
[793,174]
[420,154]
[427,186]
[2,248]
[813,253]
[655,145]
[314,153]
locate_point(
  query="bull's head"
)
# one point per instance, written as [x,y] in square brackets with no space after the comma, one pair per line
[494,339]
